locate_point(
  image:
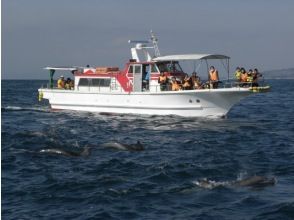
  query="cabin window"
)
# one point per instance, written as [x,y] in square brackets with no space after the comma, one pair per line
[138,69]
[154,69]
[83,82]
[130,69]
[94,82]
[169,67]
[100,82]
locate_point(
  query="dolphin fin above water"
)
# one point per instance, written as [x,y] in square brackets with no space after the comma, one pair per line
[85,152]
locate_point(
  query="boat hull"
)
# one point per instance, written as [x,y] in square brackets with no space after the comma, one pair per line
[191,103]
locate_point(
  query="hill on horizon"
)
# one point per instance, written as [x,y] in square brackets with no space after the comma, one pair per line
[279,74]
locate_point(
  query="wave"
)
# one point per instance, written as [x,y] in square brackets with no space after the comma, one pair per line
[211,184]
[17,108]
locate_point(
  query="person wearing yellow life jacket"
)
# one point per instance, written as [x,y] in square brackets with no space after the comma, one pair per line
[67,84]
[249,77]
[175,85]
[60,83]
[162,80]
[213,77]
[187,82]
[238,74]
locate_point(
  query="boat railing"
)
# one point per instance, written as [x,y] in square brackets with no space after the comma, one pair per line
[157,88]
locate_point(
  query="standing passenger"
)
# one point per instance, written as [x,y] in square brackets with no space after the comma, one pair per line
[213,77]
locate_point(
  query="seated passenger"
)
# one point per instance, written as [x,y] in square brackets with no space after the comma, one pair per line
[249,77]
[213,77]
[175,85]
[67,83]
[243,78]
[187,82]
[162,80]
[198,84]
[60,83]
[238,74]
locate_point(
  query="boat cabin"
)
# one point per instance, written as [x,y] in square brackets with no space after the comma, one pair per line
[140,74]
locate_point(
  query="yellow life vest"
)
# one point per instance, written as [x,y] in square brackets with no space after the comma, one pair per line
[238,74]
[249,78]
[60,84]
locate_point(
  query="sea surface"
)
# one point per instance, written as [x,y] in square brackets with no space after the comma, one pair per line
[256,138]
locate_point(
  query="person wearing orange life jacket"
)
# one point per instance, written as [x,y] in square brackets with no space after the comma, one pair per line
[187,82]
[162,80]
[175,85]
[60,83]
[244,77]
[213,77]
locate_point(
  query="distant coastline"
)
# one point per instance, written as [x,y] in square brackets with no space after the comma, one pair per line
[279,74]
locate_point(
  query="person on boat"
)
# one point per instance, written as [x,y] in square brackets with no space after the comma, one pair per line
[238,74]
[175,86]
[162,80]
[243,78]
[196,81]
[255,77]
[60,83]
[213,77]
[187,82]
[68,83]
[249,76]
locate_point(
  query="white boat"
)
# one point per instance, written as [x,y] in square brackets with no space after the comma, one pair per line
[135,89]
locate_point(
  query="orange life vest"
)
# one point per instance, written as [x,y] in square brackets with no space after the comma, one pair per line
[162,79]
[175,86]
[244,77]
[186,82]
[213,74]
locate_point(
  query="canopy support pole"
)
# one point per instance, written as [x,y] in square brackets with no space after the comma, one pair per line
[228,69]
[207,68]
[51,83]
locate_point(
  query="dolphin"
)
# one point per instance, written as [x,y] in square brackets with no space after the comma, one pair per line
[85,152]
[253,181]
[119,146]
[256,181]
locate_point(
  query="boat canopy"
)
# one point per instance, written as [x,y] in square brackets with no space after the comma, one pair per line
[60,68]
[190,57]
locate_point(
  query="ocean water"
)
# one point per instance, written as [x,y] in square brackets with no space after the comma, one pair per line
[256,138]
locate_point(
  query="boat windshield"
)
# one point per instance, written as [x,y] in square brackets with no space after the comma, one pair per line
[172,67]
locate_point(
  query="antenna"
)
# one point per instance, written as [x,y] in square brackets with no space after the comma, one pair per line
[155,45]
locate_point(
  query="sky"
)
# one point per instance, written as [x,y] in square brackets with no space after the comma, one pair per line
[36,33]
